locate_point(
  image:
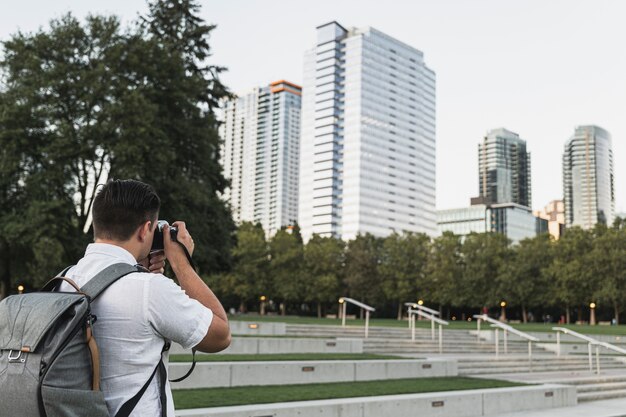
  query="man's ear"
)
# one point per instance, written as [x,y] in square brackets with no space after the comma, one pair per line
[144,230]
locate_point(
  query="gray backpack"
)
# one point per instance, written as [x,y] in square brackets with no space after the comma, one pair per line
[49,362]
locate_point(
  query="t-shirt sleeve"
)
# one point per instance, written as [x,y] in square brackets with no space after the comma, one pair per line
[173,314]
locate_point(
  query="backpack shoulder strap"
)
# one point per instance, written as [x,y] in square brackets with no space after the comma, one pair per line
[105,278]
[62,273]
[129,405]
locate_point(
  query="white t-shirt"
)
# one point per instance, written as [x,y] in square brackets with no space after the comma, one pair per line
[135,316]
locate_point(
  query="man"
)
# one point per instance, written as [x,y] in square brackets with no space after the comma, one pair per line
[139,312]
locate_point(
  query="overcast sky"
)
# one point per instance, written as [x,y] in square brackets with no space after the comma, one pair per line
[536,67]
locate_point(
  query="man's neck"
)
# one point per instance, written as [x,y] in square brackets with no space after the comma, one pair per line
[127,245]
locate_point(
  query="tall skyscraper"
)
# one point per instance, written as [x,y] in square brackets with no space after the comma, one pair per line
[368,136]
[504,169]
[588,187]
[260,155]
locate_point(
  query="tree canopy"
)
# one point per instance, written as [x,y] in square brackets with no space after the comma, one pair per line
[83,100]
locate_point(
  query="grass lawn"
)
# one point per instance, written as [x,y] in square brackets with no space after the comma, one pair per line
[458,325]
[219,397]
[283,357]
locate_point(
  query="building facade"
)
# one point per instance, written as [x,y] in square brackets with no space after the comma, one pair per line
[504,169]
[260,155]
[368,136]
[588,182]
[515,221]
[554,215]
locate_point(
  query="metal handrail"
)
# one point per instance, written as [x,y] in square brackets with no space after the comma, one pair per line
[565,330]
[358,303]
[506,329]
[609,346]
[433,320]
[429,317]
[423,308]
[504,326]
[590,342]
[368,309]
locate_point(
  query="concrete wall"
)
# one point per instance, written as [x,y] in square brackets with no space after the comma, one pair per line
[471,403]
[257,328]
[268,345]
[234,374]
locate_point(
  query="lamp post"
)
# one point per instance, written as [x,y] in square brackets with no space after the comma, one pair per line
[20,289]
[342,311]
[420,303]
[502,310]
[262,299]
[592,315]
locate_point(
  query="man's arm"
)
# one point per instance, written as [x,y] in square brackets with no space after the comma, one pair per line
[218,335]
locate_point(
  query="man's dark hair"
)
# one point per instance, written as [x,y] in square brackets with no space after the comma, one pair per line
[121,207]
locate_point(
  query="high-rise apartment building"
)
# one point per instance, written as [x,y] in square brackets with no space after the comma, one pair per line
[503,169]
[260,155]
[368,136]
[588,187]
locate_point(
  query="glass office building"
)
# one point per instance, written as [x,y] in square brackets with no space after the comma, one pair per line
[504,169]
[368,136]
[512,220]
[260,155]
[588,183]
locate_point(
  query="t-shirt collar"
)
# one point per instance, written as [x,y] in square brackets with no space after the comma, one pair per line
[110,250]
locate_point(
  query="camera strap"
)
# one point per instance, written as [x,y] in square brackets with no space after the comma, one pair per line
[193,265]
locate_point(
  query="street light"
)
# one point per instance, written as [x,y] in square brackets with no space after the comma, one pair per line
[503,310]
[262,299]
[420,302]
[341,312]
[592,315]
[20,289]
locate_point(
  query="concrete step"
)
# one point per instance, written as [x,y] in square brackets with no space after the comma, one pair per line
[521,369]
[610,386]
[504,361]
[601,395]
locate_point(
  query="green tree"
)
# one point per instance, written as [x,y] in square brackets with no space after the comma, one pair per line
[608,263]
[525,281]
[324,259]
[445,271]
[53,100]
[403,260]
[77,100]
[249,277]
[362,260]
[287,258]
[169,132]
[572,275]
[484,257]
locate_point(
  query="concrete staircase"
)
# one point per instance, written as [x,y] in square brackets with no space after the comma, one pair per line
[477,358]
[385,340]
[604,388]
[513,364]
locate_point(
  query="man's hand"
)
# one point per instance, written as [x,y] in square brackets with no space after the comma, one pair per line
[154,262]
[173,251]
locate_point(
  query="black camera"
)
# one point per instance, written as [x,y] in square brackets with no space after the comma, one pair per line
[157,243]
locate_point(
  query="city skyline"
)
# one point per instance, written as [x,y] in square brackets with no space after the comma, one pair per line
[537,77]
